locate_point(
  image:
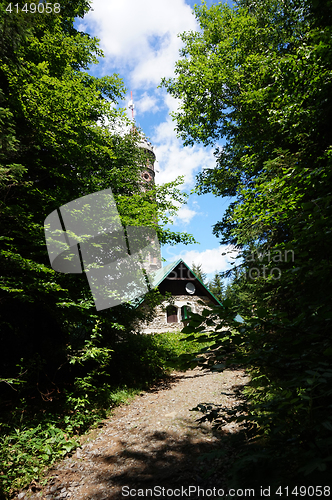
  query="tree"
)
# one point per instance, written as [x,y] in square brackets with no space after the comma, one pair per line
[216,286]
[60,140]
[197,270]
[259,75]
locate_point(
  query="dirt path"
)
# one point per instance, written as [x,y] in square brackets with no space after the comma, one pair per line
[153,442]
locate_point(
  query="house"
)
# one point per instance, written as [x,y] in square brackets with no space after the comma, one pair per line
[186,292]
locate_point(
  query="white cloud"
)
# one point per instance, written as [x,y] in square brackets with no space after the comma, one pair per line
[147,102]
[184,215]
[174,160]
[140,36]
[171,102]
[211,260]
[140,42]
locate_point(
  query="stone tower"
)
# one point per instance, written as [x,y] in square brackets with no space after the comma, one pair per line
[153,263]
[148,175]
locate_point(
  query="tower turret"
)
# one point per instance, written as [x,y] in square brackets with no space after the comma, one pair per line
[148,179]
[148,175]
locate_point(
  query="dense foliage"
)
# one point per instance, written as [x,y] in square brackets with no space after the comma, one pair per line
[62,136]
[259,75]
[30,443]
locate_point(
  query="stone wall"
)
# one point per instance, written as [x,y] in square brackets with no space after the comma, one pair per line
[159,323]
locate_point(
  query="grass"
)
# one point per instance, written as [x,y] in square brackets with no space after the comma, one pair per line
[178,350]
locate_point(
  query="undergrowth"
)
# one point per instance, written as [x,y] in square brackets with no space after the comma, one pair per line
[284,411]
[35,433]
[30,443]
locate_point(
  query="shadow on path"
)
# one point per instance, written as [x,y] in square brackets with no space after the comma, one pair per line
[166,462]
[154,448]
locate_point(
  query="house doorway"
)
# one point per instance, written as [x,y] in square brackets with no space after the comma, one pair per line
[172,314]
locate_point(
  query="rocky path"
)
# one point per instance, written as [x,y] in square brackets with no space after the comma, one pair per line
[153,443]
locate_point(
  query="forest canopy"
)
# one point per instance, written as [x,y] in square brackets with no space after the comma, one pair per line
[63,136]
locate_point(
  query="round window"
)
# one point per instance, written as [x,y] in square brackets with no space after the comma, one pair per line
[190,288]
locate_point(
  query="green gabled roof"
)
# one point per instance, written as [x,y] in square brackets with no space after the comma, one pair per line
[162,273]
[201,282]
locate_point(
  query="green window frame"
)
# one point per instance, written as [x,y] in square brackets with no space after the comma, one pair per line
[185,312]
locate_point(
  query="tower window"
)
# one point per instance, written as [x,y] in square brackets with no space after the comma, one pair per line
[147,176]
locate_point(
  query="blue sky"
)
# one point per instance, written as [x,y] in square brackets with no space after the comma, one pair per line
[140,43]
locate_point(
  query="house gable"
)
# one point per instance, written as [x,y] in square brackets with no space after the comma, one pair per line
[180,280]
[188,293]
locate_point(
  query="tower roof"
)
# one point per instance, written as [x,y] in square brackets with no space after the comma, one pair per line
[145,144]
